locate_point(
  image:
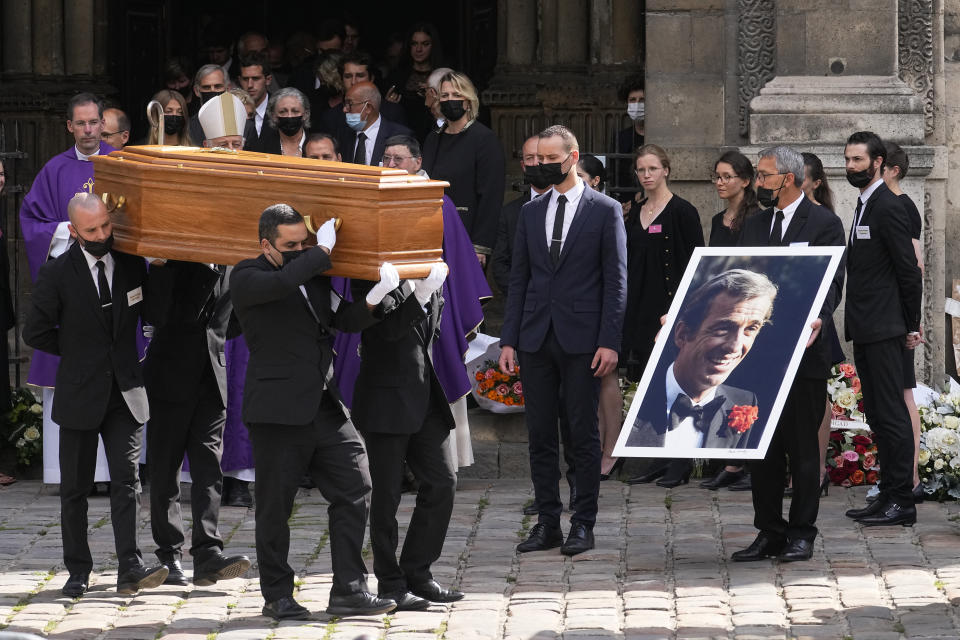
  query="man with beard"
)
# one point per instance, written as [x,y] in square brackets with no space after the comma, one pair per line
[687,405]
[884,289]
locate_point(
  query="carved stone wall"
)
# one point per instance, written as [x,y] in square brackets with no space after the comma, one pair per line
[756,53]
[915,48]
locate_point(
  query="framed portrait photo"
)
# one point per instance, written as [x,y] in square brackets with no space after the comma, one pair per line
[724,361]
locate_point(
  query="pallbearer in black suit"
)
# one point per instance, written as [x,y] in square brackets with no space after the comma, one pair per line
[293,409]
[884,288]
[186,381]
[84,308]
[400,409]
[790,219]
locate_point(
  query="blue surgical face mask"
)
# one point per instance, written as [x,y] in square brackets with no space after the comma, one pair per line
[355,120]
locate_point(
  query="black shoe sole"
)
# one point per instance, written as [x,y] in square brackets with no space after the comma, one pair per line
[794,558]
[573,552]
[350,611]
[72,593]
[232,570]
[545,547]
[179,581]
[149,582]
[293,615]
[902,523]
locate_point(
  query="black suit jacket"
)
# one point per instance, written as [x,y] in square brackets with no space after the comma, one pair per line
[190,312]
[66,319]
[818,227]
[396,367]
[267,141]
[333,120]
[291,362]
[348,139]
[884,282]
[652,423]
[503,250]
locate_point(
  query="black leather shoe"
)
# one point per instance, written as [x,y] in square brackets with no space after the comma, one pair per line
[743,484]
[139,578]
[286,608]
[872,508]
[359,604]
[541,537]
[531,510]
[796,550]
[76,585]
[219,567]
[722,479]
[670,481]
[433,592]
[175,574]
[648,477]
[238,495]
[579,540]
[406,601]
[890,514]
[763,546]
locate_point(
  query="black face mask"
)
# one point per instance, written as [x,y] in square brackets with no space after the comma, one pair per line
[533,176]
[452,110]
[765,196]
[290,256]
[172,124]
[96,248]
[289,125]
[206,96]
[860,179]
[553,173]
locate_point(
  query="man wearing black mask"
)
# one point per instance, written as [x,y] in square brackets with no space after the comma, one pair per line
[884,289]
[209,82]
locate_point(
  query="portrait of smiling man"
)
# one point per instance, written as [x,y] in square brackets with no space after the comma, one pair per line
[688,405]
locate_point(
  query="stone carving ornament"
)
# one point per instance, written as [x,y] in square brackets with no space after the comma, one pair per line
[756,53]
[915,26]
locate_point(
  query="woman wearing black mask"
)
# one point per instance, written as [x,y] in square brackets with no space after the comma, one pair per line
[289,113]
[468,155]
[175,128]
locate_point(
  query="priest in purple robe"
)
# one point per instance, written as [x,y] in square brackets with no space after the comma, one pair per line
[43,220]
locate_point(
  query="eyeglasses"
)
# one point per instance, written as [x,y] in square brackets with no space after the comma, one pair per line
[762,177]
[348,104]
[387,160]
[715,177]
[106,134]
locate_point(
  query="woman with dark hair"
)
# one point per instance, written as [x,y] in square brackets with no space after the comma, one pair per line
[592,172]
[815,185]
[423,54]
[733,178]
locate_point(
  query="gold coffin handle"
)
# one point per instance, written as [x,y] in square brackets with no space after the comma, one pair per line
[308,220]
[112,201]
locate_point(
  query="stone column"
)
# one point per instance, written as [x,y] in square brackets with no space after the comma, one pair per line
[47,37]
[79,37]
[17,23]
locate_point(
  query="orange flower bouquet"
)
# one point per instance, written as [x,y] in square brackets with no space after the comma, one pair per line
[496,391]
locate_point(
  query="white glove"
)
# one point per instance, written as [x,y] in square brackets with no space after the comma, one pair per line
[425,287]
[327,234]
[389,280]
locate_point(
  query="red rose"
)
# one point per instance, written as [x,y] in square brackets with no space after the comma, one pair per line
[861,439]
[872,477]
[851,466]
[836,435]
[860,406]
[837,475]
[857,477]
[742,417]
[860,449]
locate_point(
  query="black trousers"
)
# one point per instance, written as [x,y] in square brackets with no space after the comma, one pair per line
[122,437]
[880,367]
[545,372]
[193,426]
[430,460]
[795,438]
[330,450]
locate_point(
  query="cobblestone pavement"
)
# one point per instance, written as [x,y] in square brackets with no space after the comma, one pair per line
[660,570]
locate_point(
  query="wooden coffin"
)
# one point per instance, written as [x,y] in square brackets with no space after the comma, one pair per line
[204,205]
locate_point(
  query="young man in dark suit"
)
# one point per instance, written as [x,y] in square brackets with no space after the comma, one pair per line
[884,289]
[789,220]
[396,371]
[293,409]
[186,381]
[85,308]
[564,315]
[364,135]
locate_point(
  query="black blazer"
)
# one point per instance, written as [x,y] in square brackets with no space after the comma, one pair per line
[818,227]
[503,249]
[396,367]
[267,141]
[190,312]
[884,284]
[66,319]
[348,139]
[291,362]
[333,120]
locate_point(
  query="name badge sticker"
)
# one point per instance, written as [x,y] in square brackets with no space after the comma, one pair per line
[863,232]
[799,244]
[654,228]
[134,296]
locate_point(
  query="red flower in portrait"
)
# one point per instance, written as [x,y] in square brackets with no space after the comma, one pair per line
[742,417]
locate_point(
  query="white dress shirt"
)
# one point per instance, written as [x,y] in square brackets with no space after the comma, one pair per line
[95,272]
[788,212]
[569,209]
[686,435]
[371,134]
[863,198]
[260,113]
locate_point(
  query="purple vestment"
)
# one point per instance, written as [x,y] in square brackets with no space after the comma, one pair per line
[463,290]
[237,450]
[45,207]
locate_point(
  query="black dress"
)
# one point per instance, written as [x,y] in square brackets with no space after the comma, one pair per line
[656,259]
[472,162]
[720,234]
[916,226]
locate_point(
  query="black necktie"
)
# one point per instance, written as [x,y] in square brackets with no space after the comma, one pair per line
[360,155]
[557,238]
[105,301]
[856,219]
[683,408]
[776,236]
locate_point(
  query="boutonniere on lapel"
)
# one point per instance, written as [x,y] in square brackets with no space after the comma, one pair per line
[742,417]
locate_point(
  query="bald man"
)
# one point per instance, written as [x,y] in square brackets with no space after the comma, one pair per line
[85,308]
[363,136]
